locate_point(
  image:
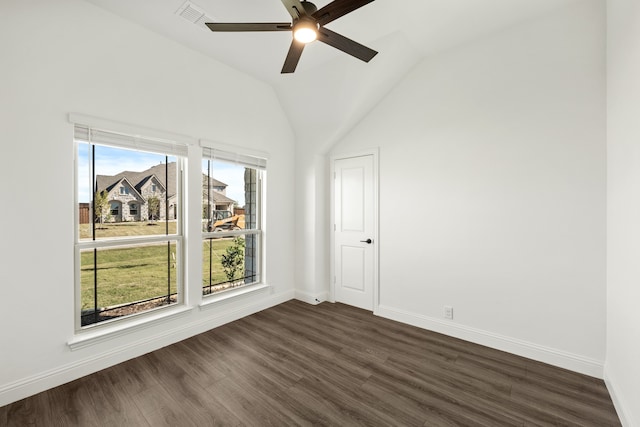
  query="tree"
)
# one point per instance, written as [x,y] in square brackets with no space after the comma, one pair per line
[233,260]
[101,207]
[154,207]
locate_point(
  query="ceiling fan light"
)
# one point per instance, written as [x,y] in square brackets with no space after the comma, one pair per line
[305,31]
[305,35]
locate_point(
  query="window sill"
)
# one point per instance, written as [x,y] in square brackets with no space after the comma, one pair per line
[230,294]
[93,336]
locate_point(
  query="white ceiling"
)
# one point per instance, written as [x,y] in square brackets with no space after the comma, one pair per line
[341,89]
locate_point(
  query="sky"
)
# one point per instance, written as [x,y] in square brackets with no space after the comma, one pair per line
[232,175]
[111,161]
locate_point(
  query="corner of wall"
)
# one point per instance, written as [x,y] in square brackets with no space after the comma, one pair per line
[621,409]
[311,298]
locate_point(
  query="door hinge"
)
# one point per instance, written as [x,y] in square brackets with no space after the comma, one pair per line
[334,227]
[334,280]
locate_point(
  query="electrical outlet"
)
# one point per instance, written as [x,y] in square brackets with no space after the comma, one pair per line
[448,312]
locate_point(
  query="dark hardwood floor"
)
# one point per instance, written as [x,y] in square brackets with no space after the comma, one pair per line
[331,364]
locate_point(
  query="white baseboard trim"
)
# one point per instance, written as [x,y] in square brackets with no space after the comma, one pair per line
[562,359]
[37,383]
[309,298]
[623,413]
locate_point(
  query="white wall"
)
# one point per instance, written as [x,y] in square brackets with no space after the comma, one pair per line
[311,275]
[623,234]
[496,151]
[343,93]
[70,56]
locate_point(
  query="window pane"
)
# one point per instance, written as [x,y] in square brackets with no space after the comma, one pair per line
[133,193]
[120,281]
[229,196]
[229,262]
[250,271]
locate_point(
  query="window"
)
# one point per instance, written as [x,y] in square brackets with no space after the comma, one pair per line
[231,220]
[115,209]
[125,264]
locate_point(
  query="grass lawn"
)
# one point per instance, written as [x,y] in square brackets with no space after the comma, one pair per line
[138,273]
[212,251]
[126,274]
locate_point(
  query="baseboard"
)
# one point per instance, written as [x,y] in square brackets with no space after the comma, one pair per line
[562,359]
[623,413]
[34,384]
[309,298]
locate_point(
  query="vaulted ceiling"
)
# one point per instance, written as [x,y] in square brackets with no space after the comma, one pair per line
[330,90]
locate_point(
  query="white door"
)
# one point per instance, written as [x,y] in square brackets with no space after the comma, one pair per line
[354,237]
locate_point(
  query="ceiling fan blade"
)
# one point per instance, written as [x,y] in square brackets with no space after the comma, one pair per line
[258,26]
[295,8]
[346,45]
[291,62]
[336,9]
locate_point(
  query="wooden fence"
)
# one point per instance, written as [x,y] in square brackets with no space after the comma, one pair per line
[83,213]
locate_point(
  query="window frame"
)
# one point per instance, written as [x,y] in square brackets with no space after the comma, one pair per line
[258,162]
[188,262]
[178,238]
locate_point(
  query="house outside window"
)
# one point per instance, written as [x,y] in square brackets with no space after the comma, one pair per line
[231,220]
[127,269]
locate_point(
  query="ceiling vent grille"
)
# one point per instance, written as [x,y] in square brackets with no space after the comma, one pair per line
[194,14]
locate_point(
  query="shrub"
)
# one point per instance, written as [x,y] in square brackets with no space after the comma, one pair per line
[233,259]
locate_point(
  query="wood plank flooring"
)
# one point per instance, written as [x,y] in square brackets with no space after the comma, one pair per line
[330,364]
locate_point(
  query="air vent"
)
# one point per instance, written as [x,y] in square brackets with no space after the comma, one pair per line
[194,14]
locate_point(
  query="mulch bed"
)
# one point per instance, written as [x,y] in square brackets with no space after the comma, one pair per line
[115,312]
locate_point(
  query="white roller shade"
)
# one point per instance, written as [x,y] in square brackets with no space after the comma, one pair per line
[135,142]
[237,158]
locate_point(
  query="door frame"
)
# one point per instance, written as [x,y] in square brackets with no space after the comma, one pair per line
[375,153]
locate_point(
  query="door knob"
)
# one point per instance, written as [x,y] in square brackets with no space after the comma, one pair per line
[368,241]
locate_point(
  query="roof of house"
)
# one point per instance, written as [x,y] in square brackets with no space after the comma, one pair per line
[109,182]
[138,179]
[214,182]
[221,198]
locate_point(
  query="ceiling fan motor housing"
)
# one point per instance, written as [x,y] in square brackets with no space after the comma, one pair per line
[309,7]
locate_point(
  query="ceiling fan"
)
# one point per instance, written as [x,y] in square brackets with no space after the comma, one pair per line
[308,25]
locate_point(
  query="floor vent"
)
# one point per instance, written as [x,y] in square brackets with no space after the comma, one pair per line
[194,14]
